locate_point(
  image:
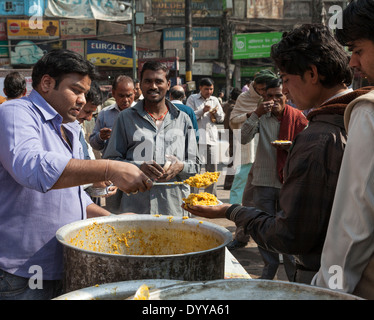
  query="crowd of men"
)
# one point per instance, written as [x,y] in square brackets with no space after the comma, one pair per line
[303,185]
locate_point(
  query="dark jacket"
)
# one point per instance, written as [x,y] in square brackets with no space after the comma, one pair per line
[311,173]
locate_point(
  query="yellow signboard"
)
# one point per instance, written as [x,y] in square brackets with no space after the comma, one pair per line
[33,29]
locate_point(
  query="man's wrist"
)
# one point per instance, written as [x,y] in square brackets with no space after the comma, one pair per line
[232,211]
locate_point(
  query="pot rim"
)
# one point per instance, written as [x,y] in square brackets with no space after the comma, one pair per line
[64,230]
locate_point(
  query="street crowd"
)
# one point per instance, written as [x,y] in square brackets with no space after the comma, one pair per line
[300,145]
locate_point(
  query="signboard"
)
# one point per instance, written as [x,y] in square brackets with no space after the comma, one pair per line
[198,68]
[117,32]
[205,41]
[199,8]
[265,9]
[109,54]
[22,8]
[249,72]
[4,50]
[254,45]
[94,9]
[17,29]
[27,52]
[73,28]
[4,63]
[3,34]
[76,46]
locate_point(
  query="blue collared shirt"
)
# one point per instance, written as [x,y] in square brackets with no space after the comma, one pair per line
[33,155]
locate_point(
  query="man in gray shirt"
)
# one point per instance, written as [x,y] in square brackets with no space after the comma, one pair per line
[124,93]
[149,134]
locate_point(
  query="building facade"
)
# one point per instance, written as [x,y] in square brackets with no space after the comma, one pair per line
[231,39]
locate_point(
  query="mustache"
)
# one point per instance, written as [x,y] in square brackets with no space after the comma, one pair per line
[153,91]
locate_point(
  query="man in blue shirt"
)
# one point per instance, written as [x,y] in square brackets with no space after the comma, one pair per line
[41,174]
[177,95]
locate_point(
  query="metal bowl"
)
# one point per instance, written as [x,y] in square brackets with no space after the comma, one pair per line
[133,247]
[115,291]
[246,289]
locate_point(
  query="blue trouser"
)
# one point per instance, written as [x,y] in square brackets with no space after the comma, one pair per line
[13,287]
[238,185]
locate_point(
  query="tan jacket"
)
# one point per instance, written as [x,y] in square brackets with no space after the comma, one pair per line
[365,287]
[349,243]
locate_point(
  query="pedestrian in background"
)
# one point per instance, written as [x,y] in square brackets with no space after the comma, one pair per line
[227,109]
[177,96]
[242,190]
[208,113]
[14,85]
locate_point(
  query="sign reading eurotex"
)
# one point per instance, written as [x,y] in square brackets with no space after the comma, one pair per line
[254,45]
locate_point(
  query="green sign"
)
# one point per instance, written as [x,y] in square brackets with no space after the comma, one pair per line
[249,72]
[4,49]
[254,45]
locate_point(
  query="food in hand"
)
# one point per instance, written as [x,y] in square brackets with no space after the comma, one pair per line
[202,180]
[202,199]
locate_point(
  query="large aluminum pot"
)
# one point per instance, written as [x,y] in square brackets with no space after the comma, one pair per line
[116,290]
[246,289]
[133,247]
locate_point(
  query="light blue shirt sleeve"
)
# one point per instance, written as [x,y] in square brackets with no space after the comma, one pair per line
[21,149]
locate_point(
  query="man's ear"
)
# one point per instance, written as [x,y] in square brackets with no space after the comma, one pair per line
[313,72]
[47,83]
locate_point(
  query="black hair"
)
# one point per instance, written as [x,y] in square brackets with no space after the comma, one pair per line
[14,85]
[206,82]
[58,63]
[313,44]
[177,94]
[357,19]
[95,96]
[275,83]
[155,65]
[235,93]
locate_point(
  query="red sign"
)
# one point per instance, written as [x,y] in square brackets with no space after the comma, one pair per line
[14,27]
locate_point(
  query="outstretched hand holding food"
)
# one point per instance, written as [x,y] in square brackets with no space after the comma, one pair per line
[211,212]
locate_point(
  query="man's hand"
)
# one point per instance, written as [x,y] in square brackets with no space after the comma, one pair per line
[172,170]
[127,177]
[212,212]
[152,169]
[264,107]
[206,108]
[105,133]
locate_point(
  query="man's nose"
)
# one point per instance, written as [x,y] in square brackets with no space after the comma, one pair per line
[353,62]
[81,99]
[285,90]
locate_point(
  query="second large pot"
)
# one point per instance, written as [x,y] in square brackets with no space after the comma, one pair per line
[133,247]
